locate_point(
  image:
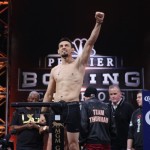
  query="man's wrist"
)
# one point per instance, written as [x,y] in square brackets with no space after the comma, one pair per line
[38,126]
[45,128]
[43,109]
[42,112]
[99,22]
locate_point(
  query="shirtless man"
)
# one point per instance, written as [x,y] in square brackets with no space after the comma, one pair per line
[66,80]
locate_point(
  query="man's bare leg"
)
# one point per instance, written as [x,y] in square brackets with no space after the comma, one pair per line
[65,140]
[73,140]
[47,141]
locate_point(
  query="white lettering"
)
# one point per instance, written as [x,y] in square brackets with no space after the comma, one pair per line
[29,79]
[59,61]
[93,80]
[147,117]
[135,80]
[110,62]
[91,62]
[45,76]
[100,62]
[101,96]
[57,147]
[147,98]
[50,62]
[114,80]
[98,79]
[138,125]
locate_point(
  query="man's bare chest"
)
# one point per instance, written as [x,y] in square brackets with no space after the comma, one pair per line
[66,72]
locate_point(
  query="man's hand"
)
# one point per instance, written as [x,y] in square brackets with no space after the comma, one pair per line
[99,17]
[43,129]
[42,119]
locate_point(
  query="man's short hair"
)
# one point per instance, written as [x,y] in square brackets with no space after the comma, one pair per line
[66,39]
[114,86]
[34,93]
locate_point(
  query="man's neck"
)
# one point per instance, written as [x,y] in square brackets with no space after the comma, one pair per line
[117,103]
[67,60]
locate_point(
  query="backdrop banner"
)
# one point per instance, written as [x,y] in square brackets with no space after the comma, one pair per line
[146,119]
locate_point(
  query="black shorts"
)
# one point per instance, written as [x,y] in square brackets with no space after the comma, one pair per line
[70,116]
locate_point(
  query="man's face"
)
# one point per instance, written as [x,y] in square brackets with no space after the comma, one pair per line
[139,99]
[115,95]
[65,49]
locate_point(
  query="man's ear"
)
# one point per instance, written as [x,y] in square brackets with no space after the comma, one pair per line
[72,49]
[58,51]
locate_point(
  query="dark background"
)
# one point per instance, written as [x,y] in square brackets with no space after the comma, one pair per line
[36,27]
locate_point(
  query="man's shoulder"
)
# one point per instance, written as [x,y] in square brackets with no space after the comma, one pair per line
[53,70]
[128,105]
[94,101]
[87,102]
[136,113]
[137,110]
[125,102]
[56,67]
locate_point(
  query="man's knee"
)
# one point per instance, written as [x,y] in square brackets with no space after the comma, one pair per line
[74,146]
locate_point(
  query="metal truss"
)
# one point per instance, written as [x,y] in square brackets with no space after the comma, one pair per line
[3,66]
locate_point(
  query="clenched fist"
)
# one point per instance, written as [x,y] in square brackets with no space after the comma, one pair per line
[99,17]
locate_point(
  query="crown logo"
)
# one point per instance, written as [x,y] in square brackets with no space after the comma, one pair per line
[147,99]
[79,44]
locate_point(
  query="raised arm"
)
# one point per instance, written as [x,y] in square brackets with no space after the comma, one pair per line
[99,16]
